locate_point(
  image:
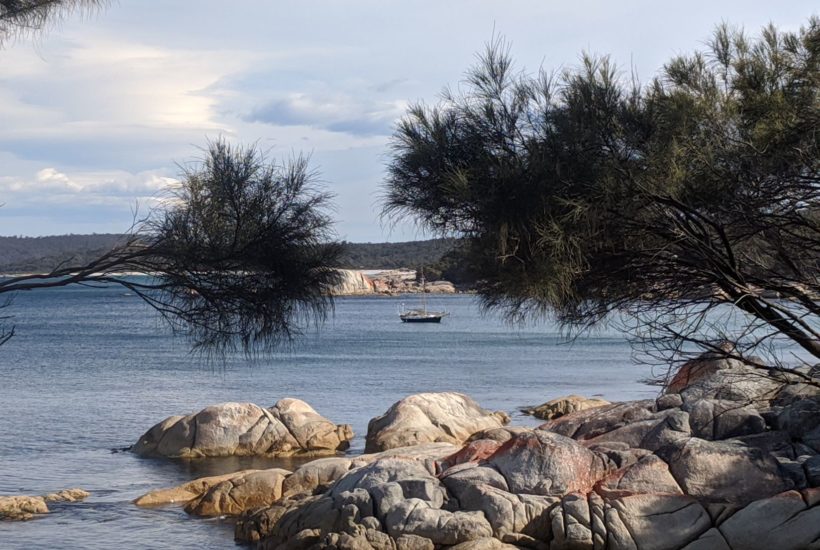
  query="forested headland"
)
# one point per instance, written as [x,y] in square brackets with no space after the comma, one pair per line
[42,254]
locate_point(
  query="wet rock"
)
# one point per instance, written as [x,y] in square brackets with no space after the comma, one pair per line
[430,417]
[239,494]
[67,495]
[291,427]
[21,508]
[182,494]
[564,405]
[26,507]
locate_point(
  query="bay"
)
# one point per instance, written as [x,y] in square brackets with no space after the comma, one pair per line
[90,369]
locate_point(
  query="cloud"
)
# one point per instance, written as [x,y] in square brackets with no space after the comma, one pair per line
[336,113]
[49,186]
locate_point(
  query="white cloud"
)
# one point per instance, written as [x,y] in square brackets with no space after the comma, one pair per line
[96,111]
[49,186]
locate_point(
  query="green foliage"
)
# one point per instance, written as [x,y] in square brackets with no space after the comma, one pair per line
[244,255]
[582,193]
[393,255]
[241,256]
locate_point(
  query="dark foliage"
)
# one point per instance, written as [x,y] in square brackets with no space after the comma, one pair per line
[241,256]
[23,16]
[583,195]
[394,255]
[41,254]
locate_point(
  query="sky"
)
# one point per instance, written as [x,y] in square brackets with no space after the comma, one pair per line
[98,113]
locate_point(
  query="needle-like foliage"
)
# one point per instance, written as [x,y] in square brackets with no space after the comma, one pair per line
[241,255]
[19,17]
[584,194]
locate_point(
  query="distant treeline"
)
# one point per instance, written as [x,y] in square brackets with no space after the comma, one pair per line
[42,254]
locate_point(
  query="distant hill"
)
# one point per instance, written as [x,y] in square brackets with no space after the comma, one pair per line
[41,254]
[410,254]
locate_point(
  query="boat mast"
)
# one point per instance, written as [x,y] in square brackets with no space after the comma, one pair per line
[423,292]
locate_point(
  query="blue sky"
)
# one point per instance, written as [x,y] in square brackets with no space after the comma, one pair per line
[95,113]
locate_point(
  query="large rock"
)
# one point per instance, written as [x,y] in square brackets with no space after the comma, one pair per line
[654,522]
[721,419]
[714,376]
[801,419]
[649,475]
[595,422]
[240,493]
[182,494]
[430,417]
[724,471]
[483,489]
[545,463]
[564,405]
[291,427]
[786,521]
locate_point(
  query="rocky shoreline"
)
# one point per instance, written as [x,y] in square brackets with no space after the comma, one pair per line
[386,282]
[727,457]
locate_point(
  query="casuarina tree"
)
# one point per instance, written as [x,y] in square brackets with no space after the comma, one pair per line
[240,254]
[688,206]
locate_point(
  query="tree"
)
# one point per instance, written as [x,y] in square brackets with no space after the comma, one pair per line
[680,203]
[241,255]
[22,16]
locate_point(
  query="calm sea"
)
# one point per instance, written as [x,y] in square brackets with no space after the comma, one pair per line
[91,369]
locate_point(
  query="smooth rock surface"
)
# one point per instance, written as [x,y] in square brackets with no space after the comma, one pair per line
[545,463]
[430,417]
[182,494]
[240,493]
[291,427]
[565,405]
[725,471]
[712,376]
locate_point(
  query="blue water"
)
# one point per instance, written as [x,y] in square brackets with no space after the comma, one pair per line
[90,370]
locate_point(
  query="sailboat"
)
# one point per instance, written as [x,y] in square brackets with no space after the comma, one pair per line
[422,315]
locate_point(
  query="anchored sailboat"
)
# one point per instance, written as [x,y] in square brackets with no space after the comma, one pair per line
[422,315]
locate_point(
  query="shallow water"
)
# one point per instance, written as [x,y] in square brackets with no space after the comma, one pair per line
[91,369]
